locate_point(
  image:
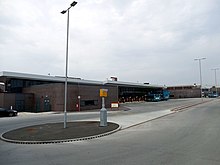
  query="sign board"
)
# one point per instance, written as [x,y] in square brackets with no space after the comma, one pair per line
[114,105]
[103,92]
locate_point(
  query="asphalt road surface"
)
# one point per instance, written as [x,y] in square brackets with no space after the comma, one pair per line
[184,138]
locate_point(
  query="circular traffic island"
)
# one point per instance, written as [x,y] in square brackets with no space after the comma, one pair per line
[56,133]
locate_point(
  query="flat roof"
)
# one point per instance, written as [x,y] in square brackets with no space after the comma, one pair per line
[28,76]
[49,78]
[132,84]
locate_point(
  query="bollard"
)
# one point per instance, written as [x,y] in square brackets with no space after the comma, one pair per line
[103,114]
[103,117]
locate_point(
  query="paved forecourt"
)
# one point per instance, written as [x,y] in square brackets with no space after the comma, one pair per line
[86,129]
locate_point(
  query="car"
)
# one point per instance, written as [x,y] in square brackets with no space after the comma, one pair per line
[212,95]
[8,112]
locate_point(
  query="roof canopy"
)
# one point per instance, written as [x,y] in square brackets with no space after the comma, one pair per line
[49,78]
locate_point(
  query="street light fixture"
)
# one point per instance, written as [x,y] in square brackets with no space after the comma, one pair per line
[215,80]
[67,44]
[73,4]
[63,12]
[200,72]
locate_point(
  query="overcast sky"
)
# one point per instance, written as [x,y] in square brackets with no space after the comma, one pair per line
[153,41]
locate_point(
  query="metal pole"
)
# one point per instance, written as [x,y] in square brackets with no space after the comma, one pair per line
[65,97]
[215,83]
[67,45]
[200,73]
[103,102]
[79,102]
[216,91]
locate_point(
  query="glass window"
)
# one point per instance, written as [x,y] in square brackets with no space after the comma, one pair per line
[89,102]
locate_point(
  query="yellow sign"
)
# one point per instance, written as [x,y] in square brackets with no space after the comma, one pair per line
[103,92]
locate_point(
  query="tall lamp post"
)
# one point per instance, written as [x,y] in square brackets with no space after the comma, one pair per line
[215,80]
[200,72]
[67,44]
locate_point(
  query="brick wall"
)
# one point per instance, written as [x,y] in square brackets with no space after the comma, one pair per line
[184,92]
[19,101]
[53,94]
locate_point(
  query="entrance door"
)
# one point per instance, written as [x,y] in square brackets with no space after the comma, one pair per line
[19,105]
[47,104]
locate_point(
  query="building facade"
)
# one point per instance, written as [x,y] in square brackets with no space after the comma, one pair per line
[38,93]
[185,91]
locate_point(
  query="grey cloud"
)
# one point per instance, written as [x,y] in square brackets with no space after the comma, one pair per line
[136,40]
